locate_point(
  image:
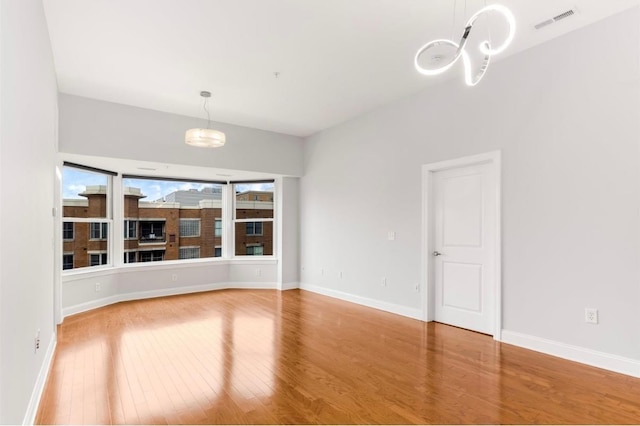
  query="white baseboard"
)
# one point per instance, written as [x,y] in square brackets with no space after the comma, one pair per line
[290,286]
[173,291]
[579,354]
[371,303]
[36,395]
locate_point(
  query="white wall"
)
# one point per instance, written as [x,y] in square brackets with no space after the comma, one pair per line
[140,281]
[288,232]
[105,129]
[565,115]
[28,121]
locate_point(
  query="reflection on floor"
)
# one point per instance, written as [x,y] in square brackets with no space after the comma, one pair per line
[264,357]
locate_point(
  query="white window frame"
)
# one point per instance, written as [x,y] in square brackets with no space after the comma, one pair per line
[108,220]
[235,220]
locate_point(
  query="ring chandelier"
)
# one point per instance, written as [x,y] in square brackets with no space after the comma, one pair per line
[485,47]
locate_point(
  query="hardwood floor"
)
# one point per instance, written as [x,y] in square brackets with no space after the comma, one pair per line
[245,356]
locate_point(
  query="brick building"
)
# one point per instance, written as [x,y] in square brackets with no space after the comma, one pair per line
[165,230]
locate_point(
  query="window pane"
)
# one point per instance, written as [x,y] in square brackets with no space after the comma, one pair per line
[96,259]
[218,227]
[254,244]
[170,215]
[67,261]
[84,193]
[130,229]
[151,256]
[189,252]
[67,231]
[189,228]
[99,231]
[254,200]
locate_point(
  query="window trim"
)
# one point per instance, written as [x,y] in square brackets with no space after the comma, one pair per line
[234,220]
[107,219]
[225,237]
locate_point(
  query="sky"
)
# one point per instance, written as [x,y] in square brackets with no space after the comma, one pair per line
[75,180]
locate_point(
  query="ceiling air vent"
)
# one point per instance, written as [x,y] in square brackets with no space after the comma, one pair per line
[564,15]
[543,24]
[555,19]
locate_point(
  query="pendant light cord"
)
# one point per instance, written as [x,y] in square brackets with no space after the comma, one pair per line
[204,106]
[453,24]
[488,24]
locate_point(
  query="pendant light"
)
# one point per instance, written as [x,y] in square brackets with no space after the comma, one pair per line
[484,47]
[205,138]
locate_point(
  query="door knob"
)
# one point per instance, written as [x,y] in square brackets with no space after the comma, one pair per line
[437,253]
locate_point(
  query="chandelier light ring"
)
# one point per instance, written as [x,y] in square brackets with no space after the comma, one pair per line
[205,138]
[431,44]
[469,79]
[484,46]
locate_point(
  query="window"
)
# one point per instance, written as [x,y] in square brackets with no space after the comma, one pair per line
[99,230]
[130,257]
[67,261]
[253,218]
[96,259]
[130,229]
[254,228]
[87,216]
[189,228]
[67,232]
[152,231]
[151,256]
[189,252]
[218,252]
[168,210]
[254,251]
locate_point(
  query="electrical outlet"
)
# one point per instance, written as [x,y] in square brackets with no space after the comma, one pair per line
[174,277]
[258,272]
[383,281]
[591,315]
[98,287]
[321,271]
[340,274]
[418,287]
[36,342]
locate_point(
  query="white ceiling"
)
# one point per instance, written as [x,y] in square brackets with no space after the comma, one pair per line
[336,58]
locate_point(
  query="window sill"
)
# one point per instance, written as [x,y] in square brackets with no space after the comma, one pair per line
[98,271]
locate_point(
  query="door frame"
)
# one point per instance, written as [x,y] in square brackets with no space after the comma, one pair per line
[494,160]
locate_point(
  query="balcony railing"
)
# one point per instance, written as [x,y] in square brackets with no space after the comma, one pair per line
[153,238]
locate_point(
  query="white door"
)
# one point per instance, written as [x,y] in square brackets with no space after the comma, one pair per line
[464,247]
